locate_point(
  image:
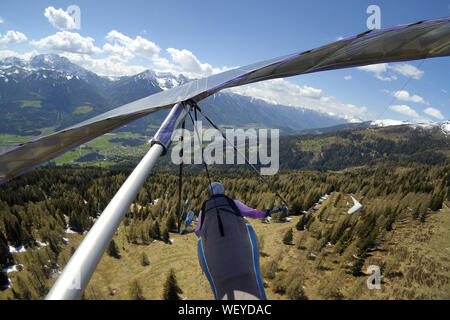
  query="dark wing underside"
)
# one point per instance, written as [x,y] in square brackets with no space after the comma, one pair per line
[418,40]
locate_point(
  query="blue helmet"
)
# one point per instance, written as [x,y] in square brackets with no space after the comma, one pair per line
[215,188]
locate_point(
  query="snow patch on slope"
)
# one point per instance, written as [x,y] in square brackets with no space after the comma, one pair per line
[388,123]
[445,127]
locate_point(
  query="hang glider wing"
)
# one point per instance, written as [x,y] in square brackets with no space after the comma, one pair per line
[189,218]
[424,39]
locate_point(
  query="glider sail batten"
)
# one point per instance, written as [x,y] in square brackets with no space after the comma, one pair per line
[400,43]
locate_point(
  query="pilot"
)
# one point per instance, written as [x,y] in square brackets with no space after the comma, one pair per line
[228,247]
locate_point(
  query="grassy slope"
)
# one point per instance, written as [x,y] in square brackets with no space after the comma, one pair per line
[419,250]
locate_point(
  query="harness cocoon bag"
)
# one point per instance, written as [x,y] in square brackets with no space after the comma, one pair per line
[230,259]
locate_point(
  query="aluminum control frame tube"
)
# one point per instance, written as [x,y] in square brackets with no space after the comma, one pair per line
[73,280]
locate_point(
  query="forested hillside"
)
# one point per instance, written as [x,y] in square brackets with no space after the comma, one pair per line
[322,253]
[365,146]
[320,151]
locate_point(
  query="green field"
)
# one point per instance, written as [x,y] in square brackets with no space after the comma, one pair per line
[103,146]
[83,110]
[30,104]
[9,141]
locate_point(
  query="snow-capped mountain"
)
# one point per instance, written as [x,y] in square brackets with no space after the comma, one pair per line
[443,126]
[57,63]
[47,65]
[167,80]
[50,91]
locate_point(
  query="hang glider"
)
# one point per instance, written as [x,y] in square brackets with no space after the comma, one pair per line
[419,40]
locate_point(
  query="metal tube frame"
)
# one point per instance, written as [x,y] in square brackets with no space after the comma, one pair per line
[71,284]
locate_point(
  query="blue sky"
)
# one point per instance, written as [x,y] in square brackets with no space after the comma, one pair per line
[198,38]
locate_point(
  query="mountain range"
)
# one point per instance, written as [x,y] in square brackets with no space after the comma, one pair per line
[48,91]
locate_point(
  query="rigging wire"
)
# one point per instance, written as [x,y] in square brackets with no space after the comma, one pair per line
[403,87]
[180,180]
[219,220]
[271,187]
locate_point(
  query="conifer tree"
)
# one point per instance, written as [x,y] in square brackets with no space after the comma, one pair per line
[423,217]
[436,202]
[288,237]
[171,223]
[113,250]
[6,258]
[136,291]
[269,269]
[302,222]
[4,281]
[261,243]
[416,213]
[296,208]
[301,242]
[171,288]
[279,284]
[79,221]
[23,290]
[165,235]
[156,231]
[357,267]
[144,260]
[295,291]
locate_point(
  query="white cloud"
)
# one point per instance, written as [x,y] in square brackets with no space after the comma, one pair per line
[378,70]
[68,42]
[128,47]
[186,62]
[122,49]
[59,18]
[347,77]
[386,72]
[375,68]
[115,35]
[1,20]
[407,70]
[434,113]
[405,96]
[23,56]
[189,62]
[405,110]
[444,91]
[310,92]
[116,49]
[144,48]
[13,37]
[112,65]
[280,91]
